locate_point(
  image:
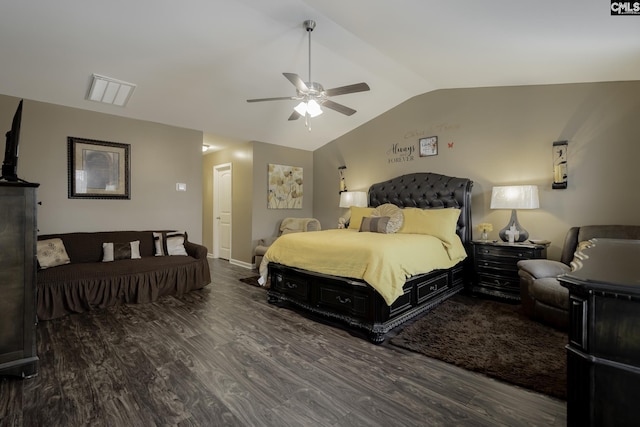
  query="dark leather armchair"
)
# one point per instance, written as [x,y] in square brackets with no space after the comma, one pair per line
[543,298]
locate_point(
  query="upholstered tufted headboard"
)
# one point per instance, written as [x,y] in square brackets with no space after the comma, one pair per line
[428,191]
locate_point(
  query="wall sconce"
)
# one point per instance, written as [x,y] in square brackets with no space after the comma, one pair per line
[343,185]
[514,197]
[559,165]
[353,198]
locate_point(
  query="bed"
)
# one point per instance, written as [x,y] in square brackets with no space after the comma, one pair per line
[359,300]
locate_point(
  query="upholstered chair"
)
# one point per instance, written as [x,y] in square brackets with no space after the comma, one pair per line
[288,225]
[543,298]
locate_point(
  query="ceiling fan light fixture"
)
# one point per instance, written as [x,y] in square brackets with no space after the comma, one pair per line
[309,108]
[313,108]
[301,108]
[312,94]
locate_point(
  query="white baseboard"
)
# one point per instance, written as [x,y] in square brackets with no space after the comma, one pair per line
[242,264]
[247,265]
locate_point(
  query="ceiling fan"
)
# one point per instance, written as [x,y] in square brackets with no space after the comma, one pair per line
[312,95]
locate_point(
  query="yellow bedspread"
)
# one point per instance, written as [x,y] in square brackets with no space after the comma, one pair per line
[384,261]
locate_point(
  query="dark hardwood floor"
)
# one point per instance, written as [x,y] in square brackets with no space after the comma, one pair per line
[223,356]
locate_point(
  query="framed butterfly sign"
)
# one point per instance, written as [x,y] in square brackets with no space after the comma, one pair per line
[428,146]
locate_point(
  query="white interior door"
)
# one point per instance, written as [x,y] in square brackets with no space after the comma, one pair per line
[222,211]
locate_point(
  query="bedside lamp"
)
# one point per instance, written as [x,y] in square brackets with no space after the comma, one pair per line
[514,197]
[353,198]
[348,199]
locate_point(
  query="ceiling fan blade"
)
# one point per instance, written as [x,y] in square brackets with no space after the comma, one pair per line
[295,115]
[338,107]
[343,90]
[297,82]
[273,99]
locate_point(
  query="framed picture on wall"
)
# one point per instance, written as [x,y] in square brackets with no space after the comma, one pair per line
[285,187]
[428,146]
[97,169]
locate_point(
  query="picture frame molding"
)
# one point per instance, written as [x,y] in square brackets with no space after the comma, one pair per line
[117,176]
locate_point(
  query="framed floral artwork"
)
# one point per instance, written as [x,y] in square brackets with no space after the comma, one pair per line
[285,187]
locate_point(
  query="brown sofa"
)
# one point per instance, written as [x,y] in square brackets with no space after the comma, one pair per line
[87,283]
[543,298]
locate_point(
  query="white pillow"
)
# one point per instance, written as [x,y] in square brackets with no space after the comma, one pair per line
[170,243]
[52,253]
[115,251]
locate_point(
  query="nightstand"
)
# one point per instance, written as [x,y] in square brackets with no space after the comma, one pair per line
[495,267]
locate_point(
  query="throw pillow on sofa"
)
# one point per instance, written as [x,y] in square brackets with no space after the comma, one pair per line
[170,243]
[115,251]
[51,253]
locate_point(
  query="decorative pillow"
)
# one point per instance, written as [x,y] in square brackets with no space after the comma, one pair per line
[377,224]
[357,214]
[440,223]
[578,256]
[115,251]
[52,253]
[396,217]
[170,243]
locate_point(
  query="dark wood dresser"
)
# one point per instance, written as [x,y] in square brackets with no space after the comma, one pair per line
[18,279]
[495,267]
[603,354]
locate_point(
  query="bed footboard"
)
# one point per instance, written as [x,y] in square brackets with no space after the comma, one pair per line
[356,304]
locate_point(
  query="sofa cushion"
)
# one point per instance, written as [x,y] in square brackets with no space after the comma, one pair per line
[87,246]
[117,251]
[169,243]
[52,253]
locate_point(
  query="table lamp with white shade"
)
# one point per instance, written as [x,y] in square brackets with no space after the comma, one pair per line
[514,197]
[353,198]
[349,199]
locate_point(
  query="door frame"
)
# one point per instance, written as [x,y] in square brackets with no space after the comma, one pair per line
[217,169]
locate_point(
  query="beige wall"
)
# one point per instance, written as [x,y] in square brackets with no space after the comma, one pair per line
[266,221]
[503,136]
[161,156]
[251,220]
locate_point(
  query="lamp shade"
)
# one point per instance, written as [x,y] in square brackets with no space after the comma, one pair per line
[353,198]
[515,197]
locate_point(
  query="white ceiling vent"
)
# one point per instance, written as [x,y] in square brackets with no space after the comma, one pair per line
[110,91]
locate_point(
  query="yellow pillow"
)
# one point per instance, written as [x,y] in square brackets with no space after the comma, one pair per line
[440,223]
[356,216]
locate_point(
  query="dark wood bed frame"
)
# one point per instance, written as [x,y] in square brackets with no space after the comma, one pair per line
[355,303]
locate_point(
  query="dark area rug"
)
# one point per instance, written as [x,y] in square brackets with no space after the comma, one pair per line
[253,281]
[493,338]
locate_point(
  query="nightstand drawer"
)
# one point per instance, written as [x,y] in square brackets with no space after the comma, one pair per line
[511,252]
[496,267]
[511,284]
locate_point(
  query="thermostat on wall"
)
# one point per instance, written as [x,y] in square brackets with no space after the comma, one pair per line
[180,186]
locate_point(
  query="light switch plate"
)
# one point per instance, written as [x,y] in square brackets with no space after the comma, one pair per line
[180,186]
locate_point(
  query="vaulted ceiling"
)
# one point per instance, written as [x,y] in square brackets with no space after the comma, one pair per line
[196,62]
